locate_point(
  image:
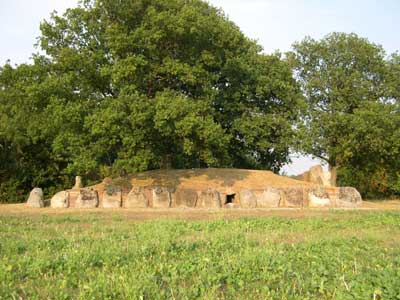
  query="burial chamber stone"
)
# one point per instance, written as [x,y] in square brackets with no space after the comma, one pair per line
[209,199]
[293,197]
[270,198]
[60,200]
[136,199]
[247,199]
[317,175]
[348,197]
[112,199]
[35,198]
[184,198]
[161,197]
[87,198]
[78,183]
[318,198]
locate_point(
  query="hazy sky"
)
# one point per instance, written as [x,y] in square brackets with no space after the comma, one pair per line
[276,24]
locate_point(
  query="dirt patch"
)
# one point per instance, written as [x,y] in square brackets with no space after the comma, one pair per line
[192,214]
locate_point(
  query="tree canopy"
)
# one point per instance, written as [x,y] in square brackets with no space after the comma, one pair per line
[126,86]
[351,120]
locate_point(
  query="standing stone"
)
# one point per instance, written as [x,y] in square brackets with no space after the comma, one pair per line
[209,199]
[60,200]
[319,198]
[161,198]
[136,199]
[247,199]
[36,198]
[293,197]
[87,198]
[317,175]
[78,183]
[270,198]
[348,197]
[184,198]
[112,200]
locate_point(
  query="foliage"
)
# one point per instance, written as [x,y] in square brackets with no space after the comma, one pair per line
[338,74]
[343,255]
[129,86]
[372,164]
[352,115]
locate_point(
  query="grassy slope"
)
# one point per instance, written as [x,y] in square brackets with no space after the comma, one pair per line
[330,255]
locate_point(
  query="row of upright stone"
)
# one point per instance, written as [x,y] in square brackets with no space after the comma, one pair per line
[170,197]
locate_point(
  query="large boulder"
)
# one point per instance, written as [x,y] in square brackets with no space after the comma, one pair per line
[60,200]
[136,199]
[184,198]
[319,198]
[112,199]
[87,198]
[293,197]
[247,199]
[270,198]
[161,197]
[35,198]
[317,175]
[209,199]
[348,197]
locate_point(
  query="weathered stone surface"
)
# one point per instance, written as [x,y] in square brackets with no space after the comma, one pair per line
[87,198]
[317,175]
[35,198]
[293,197]
[112,200]
[184,198]
[232,205]
[270,198]
[247,199]
[318,198]
[78,183]
[209,199]
[161,197]
[136,199]
[348,197]
[60,200]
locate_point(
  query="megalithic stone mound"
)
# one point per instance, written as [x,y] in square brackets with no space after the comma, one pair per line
[211,189]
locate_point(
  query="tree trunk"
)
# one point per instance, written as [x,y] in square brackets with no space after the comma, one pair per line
[333,171]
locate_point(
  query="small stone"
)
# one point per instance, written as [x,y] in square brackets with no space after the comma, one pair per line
[87,198]
[270,198]
[161,198]
[78,183]
[36,199]
[247,199]
[112,201]
[60,200]
[209,199]
[136,199]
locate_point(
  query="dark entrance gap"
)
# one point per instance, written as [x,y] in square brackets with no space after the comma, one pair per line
[230,198]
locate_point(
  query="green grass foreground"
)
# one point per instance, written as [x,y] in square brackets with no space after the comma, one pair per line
[339,255]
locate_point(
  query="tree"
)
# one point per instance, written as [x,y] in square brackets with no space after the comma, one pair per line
[338,74]
[127,86]
[372,146]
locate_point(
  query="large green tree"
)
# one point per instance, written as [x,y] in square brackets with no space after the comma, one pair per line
[131,85]
[338,74]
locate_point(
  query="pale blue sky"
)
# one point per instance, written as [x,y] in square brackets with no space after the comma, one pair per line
[276,24]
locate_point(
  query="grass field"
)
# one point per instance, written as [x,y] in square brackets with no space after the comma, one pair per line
[290,254]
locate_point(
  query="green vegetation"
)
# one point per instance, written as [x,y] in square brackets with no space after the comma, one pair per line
[334,255]
[130,86]
[133,85]
[352,120]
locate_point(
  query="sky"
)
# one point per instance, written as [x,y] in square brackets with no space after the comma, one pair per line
[275,24]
